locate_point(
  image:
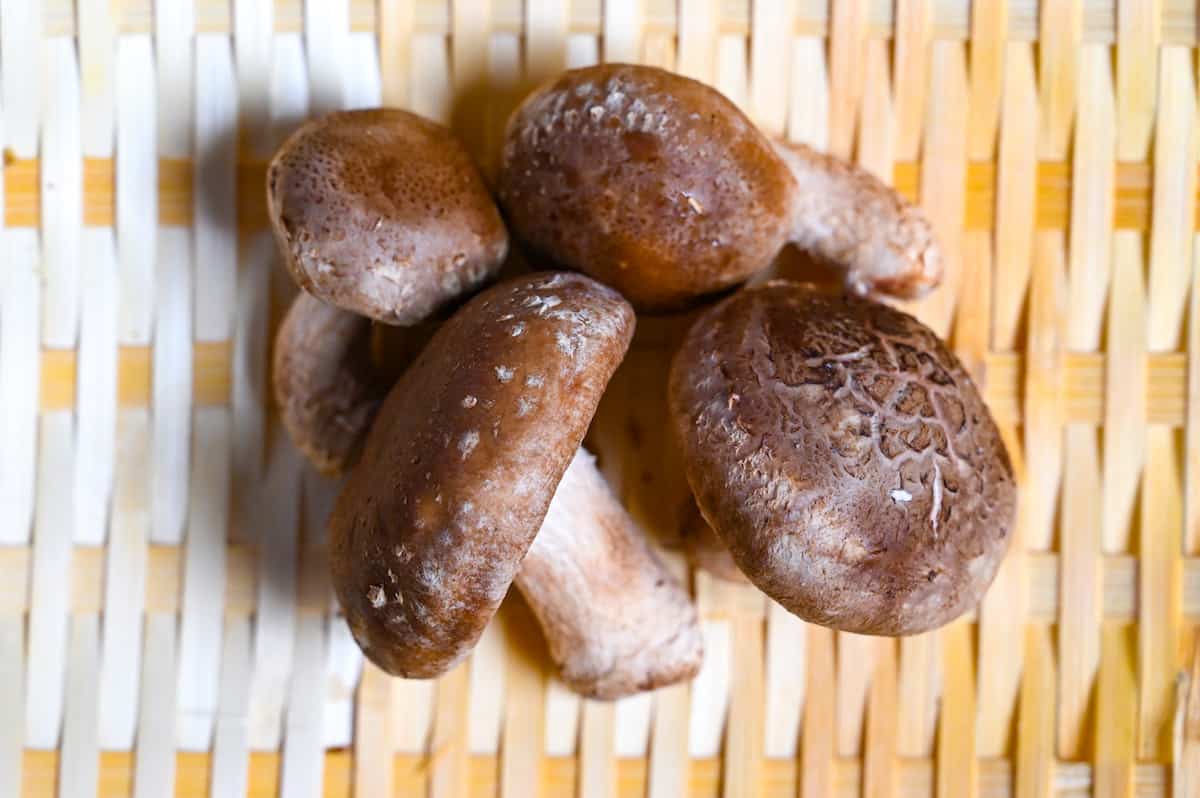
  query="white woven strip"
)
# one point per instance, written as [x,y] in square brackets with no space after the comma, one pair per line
[732,78]
[326,36]
[49,589]
[21,46]
[79,755]
[364,87]
[174,23]
[344,668]
[785,679]
[203,575]
[125,583]
[250,379]
[61,196]
[154,765]
[769,55]
[215,185]
[621,32]
[96,388]
[432,94]
[562,719]
[303,765]
[136,188]
[12,702]
[808,117]
[275,624]
[412,714]
[97,43]
[172,386]
[289,86]
[231,755]
[253,41]
[631,724]
[486,717]
[582,50]
[710,691]
[20,376]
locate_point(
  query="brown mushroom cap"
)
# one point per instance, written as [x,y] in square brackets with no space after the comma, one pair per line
[382,213]
[845,457]
[650,182]
[462,461]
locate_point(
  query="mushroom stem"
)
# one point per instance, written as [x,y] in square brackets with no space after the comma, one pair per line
[616,620]
[849,217]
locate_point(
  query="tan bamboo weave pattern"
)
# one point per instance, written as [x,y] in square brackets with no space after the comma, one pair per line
[166,624]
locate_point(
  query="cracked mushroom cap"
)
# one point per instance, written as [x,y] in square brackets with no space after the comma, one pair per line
[844,456]
[382,213]
[461,464]
[650,182]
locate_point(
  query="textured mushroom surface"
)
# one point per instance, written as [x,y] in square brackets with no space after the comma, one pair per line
[648,181]
[382,213]
[462,461]
[844,456]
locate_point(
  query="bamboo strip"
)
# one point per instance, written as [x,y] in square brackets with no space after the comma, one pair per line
[1016,197]
[49,597]
[1119,594]
[989,36]
[847,40]
[880,766]
[1116,722]
[230,757]
[1061,30]
[743,755]
[61,197]
[1191,466]
[1002,620]
[559,778]
[155,756]
[448,743]
[12,702]
[817,744]
[373,744]
[957,765]
[597,765]
[125,584]
[1138,33]
[1035,732]
[79,747]
[20,374]
[1130,193]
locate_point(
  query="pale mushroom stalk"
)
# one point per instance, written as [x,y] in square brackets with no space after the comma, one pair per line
[850,218]
[615,619]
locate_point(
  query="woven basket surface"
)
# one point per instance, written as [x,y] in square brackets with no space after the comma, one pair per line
[166,623]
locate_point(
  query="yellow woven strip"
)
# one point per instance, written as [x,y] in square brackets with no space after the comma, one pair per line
[951,19]
[211,369]
[164,576]
[1166,388]
[22,193]
[557,777]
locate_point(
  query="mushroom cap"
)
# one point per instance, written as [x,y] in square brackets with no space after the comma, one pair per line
[648,181]
[462,461]
[845,457]
[382,213]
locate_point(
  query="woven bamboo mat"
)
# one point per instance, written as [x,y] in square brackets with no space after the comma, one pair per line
[166,625]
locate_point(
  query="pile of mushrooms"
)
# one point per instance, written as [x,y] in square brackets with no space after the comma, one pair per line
[840,457]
